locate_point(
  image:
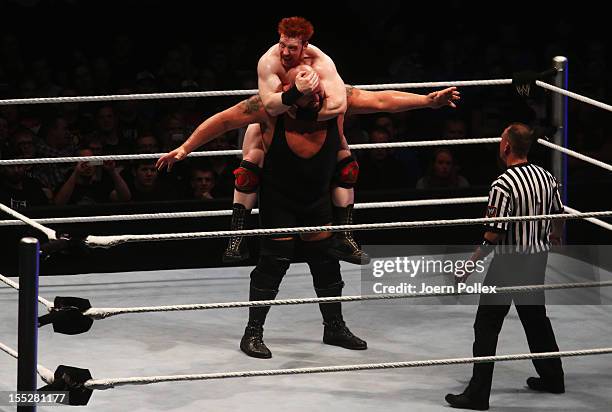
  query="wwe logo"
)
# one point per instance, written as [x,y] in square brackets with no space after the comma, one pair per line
[523,89]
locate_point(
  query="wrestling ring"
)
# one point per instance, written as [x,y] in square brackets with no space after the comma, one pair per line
[171,353]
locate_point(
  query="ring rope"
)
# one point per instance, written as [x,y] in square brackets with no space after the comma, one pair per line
[248,92]
[228,212]
[597,222]
[15,286]
[101,384]
[45,374]
[48,232]
[575,154]
[392,145]
[109,241]
[103,313]
[575,96]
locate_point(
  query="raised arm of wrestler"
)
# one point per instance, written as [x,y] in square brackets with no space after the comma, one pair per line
[391,101]
[240,115]
[293,49]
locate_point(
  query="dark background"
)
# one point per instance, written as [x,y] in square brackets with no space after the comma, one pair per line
[370,42]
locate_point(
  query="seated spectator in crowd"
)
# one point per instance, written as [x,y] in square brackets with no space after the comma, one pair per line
[203,180]
[455,128]
[397,132]
[4,135]
[380,170]
[55,140]
[78,116]
[146,186]
[128,120]
[107,130]
[23,142]
[90,183]
[173,131]
[442,173]
[17,190]
[95,144]
[146,143]
[223,166]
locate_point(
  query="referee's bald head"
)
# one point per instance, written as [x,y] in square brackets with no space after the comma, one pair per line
[519,136]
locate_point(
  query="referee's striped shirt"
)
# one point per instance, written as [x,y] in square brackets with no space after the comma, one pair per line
[523,190]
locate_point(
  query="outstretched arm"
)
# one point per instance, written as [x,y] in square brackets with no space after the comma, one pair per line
[364,101]
[241,115]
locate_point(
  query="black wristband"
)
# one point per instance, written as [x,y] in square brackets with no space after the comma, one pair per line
[306,114]
[291,96]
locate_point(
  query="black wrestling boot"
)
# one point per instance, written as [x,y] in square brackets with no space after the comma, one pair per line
[542,385]
[335,332]
[237,250]
[338,334]
[463,401]
[252,341]
[346,247]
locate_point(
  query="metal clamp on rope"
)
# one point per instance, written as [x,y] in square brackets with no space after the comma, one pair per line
[70,379]
[67,316]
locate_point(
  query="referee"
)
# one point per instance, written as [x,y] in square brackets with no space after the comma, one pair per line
[521,252]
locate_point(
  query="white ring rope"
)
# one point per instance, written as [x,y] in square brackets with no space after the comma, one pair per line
[249,92]
[109,241]
[228,212]
[48,232]
[101,384]
[575,96]
[74,159]
[103,313]
[15,286]
[576,154]
[597,222]
[45,374]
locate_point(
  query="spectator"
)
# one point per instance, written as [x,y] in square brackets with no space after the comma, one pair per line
[145,185]
[147,143]
[442,173]
[379,169]
[23,143]
[223,166]
[91,183]
[17,190]
[107,130]
[128,121]
[80,122]
[203,181]
[55,141]
[4,134]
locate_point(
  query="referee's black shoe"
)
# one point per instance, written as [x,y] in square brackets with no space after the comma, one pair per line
[463,401]
[542,385]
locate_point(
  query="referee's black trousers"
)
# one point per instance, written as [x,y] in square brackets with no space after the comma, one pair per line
[513,270]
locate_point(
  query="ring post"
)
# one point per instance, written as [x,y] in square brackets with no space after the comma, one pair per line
[28,318]
[559,107]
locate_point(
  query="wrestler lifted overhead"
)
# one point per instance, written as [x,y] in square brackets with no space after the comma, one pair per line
[252,111]
[292,50]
